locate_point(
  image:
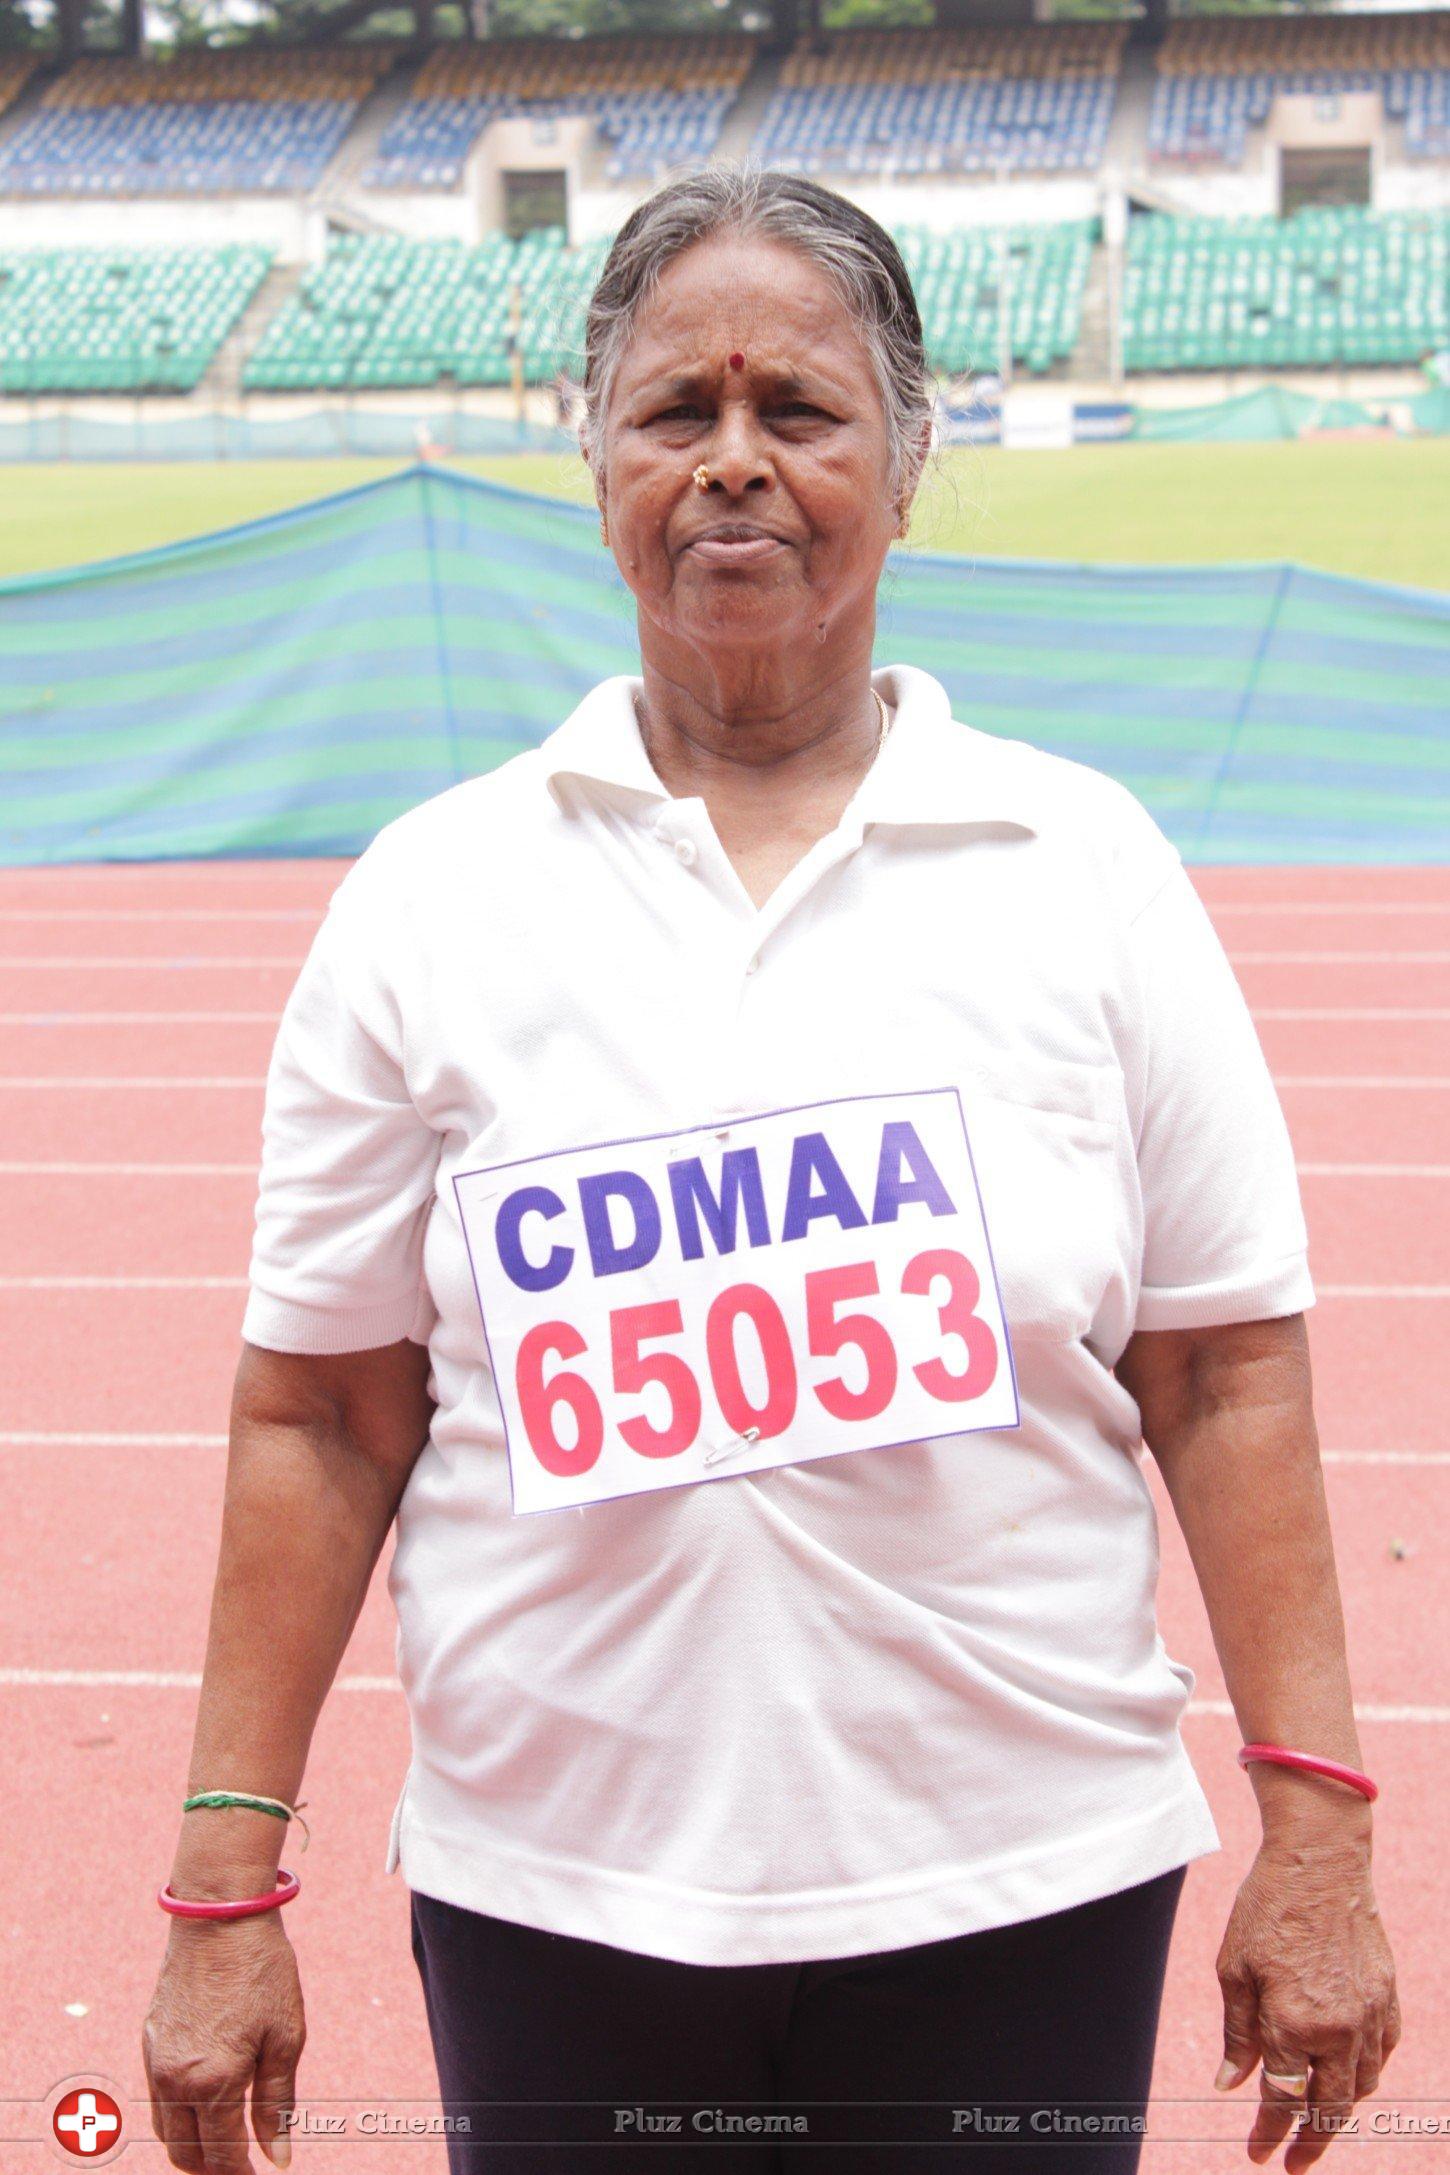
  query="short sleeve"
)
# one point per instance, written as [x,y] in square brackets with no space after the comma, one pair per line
[348,1165]
[1224,1238]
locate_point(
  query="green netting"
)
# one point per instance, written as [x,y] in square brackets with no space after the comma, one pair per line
[1431,410]
[1272,411]
[288,687]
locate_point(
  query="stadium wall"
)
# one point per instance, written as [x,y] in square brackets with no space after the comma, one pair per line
[291,227]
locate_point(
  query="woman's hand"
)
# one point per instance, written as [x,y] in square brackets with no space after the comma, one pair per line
[226,2018]
[1308,1989]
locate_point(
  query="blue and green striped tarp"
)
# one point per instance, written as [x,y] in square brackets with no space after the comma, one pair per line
[289,686]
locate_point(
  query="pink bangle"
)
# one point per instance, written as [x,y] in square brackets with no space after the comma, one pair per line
[1311,1762]
[287,1887]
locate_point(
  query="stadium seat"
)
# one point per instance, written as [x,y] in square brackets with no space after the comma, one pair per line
[960,279]
[1321,288]
[944,101]
[659,103]
[110,320]
[200,123]
[383,311]
[1218,77]
[16,70]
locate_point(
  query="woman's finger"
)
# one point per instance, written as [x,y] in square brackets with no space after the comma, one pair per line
[175,2122]
[1330,2105]
[1371,2062]
[1283,2083]
[1240,2029]
[1392,2028]
[274,2091]
[222,2125]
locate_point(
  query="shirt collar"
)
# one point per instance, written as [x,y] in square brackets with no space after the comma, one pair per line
[932,770]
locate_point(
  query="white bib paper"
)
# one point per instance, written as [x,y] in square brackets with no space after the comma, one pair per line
[760,1292]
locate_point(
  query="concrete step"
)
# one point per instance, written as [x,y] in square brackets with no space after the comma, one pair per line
[15,116]
[1092,357]
[344,170]
[224,379]
[745,116]
[1127,144]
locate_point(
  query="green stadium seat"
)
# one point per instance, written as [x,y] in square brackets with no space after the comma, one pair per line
[1324,287]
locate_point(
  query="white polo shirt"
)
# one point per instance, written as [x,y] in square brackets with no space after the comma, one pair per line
[860,1697]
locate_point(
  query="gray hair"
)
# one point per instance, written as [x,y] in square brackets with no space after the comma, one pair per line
[857,255]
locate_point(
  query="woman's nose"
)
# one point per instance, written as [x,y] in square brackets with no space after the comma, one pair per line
[739,458]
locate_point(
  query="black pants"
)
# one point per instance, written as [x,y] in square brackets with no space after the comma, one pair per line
[1026,2048]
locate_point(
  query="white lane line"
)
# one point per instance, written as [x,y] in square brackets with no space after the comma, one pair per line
[1339,959]
[159,913]
[51,1081]
[123,1283]
[144,1019]
[1354,1170]
[250,1080]
[189,1680]
[50,1437]
[199,959]
[56,1438]
[161,1680]
[1383,1291]
[128,1170]
[1369,1711]
[1384,1457]
[1331,906]
[250,1170]
[209,1019]
[1331,1012]
[47,1438]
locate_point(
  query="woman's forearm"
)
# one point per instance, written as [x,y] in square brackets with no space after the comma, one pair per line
[1228,1415]
[307,1508]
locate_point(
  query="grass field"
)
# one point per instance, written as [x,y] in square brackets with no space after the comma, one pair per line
[1352,507]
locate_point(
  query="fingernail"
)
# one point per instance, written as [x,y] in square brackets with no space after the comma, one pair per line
[1228,2073]
[279,2152]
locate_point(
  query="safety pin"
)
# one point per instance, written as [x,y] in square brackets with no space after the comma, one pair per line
[727,1449]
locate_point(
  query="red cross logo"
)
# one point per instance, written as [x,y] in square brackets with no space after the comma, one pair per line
[87,2121]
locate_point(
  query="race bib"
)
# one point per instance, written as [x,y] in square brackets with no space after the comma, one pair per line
[763,1292]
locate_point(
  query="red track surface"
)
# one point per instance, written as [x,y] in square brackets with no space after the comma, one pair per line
[137,1009]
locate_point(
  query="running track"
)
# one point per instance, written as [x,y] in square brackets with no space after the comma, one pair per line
[137,1008]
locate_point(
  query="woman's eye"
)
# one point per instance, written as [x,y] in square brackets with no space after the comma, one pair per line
[683,412]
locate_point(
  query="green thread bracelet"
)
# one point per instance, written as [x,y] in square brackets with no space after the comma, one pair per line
[272,1805]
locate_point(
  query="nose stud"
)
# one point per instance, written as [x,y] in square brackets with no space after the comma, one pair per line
[702,478]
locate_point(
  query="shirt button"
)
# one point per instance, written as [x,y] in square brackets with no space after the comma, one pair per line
[685,852]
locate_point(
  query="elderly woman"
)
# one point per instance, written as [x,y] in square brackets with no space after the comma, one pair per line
[743,1182]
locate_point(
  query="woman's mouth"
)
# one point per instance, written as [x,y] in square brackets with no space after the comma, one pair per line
[736,543]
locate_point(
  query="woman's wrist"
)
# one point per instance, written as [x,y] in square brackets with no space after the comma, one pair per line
[227,1861]
[1298,1806]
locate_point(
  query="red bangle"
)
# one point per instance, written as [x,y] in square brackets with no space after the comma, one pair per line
[180,1907]
[1311,1762]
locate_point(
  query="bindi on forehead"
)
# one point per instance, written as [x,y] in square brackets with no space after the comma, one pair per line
[737,361]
